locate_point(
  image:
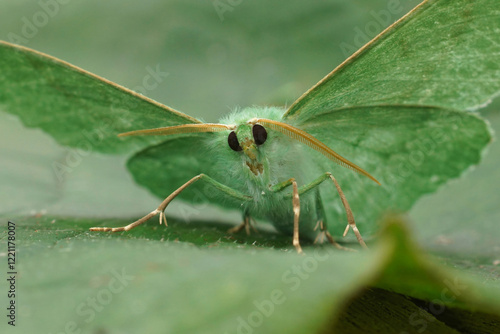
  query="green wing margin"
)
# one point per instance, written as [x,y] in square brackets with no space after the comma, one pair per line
[75,107]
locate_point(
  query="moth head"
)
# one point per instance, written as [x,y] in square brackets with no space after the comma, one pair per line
[247,139]
[250,140]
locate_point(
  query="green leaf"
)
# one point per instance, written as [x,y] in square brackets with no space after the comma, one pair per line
[443,53]
[194,278]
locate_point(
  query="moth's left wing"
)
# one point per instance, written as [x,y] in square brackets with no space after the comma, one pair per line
[78,108]
[444,53]
[411,150]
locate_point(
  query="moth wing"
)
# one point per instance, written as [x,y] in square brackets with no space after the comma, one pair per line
[442,53]
[411,151]
[75,107]
[164,167]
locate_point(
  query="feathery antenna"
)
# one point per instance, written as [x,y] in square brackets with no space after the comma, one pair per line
[178,129]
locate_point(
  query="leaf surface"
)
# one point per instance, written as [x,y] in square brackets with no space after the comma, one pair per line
[194,278]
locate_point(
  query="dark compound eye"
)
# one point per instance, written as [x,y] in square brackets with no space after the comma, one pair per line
[259,134]
[232,140]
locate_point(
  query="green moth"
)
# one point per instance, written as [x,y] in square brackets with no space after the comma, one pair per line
[396,114]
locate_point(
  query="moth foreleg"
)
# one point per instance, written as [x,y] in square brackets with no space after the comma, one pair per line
[323,232]
[161,208]
[350,217]
[246,224]
[296,215]
[296,209]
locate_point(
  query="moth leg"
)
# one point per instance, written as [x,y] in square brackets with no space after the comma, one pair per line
[321,235]
[246,224]
[161,208]
[323,232]
[296,215]
[350,217]
[320,223]
[243,225]
[296,209]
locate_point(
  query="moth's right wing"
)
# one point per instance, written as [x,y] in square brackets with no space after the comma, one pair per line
[77,108]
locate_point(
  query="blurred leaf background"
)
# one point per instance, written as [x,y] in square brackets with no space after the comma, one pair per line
[256,53]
